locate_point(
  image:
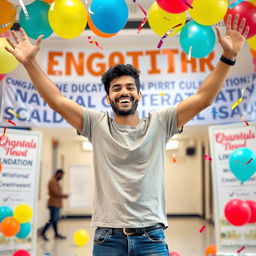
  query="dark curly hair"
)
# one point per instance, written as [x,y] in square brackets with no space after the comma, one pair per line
[120,70]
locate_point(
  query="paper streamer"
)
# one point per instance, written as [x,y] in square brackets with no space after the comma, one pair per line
[240,99]
[15,114]
[3,133]
[189,53]
[143,22]
[11,122]
[186,3]
[243,120]
[242,248]
[23,8]
[202,229]
[167,34]
[94,42]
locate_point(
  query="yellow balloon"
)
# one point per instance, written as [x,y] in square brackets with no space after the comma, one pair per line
[253,2]
[208,12]
[23,213]
[81,237]
[7,61]
[161,21]
[67,18]
[252,42]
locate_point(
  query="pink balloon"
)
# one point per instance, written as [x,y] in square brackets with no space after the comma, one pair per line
[6,34]
[2,76]
[21,253]
[252,205]
[174,254]
[237,212]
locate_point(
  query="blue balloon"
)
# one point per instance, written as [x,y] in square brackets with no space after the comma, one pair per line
[36,23]
[25,229]
[242,162]
[5,212]
[109,16]
[201,38]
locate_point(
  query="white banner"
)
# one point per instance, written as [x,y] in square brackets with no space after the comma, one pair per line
[167,78]
[20,158]
[224,140]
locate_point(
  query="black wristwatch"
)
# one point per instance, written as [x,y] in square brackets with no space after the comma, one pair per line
[227,61]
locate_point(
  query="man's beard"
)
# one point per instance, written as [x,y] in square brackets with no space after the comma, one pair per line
[128,112]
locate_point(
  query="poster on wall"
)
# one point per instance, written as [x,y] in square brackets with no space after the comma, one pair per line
[80,186]
[236,238]
[19,176]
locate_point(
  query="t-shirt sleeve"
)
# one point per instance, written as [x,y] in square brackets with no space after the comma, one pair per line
[168,118]
[90,120]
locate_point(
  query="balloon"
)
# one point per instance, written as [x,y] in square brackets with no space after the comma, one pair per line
[36,23]
[81,237]
[10,226]
[21,253]
[200,38]
[68,18]
[5,211]
[97,31]
[211,250]
[24,231]
[248,11]
[238,163]
[253,2]
[237,212]
[7,15]
[173,254]
[174,6]
[109,16]
[252,205]
[208,12]
[252,42]
[23,213]
[1,78]
[161,21]
[48,1]
[7,61]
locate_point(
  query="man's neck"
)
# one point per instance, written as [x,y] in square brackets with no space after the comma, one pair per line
[130,120]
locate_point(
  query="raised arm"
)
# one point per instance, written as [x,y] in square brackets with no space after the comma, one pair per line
[231,44]
[25,53]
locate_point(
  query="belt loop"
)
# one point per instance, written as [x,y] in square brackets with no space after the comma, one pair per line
[110,231]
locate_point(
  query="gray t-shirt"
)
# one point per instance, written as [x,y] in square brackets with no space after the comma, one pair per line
[129,168]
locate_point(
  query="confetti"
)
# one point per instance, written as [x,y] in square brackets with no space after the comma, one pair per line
[3,133]
[11,122]
[143,22]
[186,3]
[215,112]
[236,161]
[202,229]
[207,158]
[162,93]
[242,248]
[15,114]
[94,42]
[167,34]
[243,120]
[174,158]
[235,4]
[1,167]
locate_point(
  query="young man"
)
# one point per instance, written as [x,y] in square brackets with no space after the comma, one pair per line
[129,203]
[54,204]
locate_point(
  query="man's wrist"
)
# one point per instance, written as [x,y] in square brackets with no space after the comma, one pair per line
[230,62]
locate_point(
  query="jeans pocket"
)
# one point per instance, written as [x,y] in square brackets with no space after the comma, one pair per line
[156,235]
[100,235]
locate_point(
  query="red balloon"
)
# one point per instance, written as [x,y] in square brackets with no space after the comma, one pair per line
[237,212]
[174,6]
[2,76]
[246,10]
[21,253]
[252,205]
[174,254]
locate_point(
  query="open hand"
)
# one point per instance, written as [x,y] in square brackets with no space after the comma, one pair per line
[234,38]
[22,49]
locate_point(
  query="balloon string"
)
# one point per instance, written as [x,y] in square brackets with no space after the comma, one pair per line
[143,22]
[160,43]
[94,42]
[23,8]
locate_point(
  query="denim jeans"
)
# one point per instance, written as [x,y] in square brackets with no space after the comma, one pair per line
[54,217]
[151,243]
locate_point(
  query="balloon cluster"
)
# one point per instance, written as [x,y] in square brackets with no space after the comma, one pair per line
[16,223]
[240,212]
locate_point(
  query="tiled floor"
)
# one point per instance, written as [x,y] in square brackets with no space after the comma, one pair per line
[182,236]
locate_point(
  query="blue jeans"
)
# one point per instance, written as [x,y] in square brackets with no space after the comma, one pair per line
[151,243]
[54,217]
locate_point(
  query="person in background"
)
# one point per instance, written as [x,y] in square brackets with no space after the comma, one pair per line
[54,204]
